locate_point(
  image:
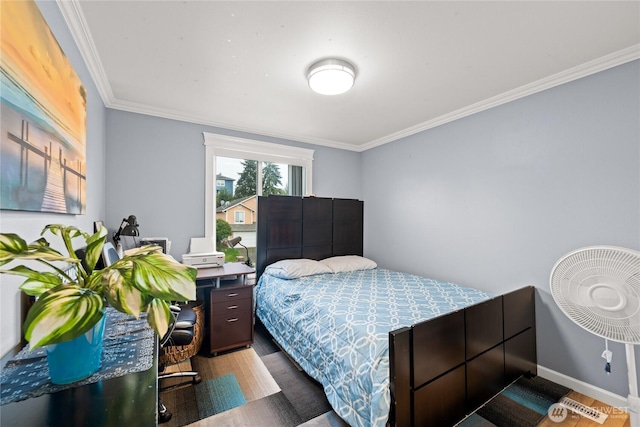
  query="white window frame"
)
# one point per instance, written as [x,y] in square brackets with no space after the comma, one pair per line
[238,217]
[218,145]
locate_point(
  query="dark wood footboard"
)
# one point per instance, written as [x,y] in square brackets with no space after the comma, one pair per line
[445,368]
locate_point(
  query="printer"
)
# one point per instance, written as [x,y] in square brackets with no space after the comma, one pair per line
[202,253]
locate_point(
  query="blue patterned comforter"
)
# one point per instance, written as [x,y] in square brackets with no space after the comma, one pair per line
[336,327]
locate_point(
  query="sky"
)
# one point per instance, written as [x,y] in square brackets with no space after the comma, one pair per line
[231,168]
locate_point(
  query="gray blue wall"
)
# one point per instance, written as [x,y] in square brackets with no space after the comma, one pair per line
[156,172]
[495,199]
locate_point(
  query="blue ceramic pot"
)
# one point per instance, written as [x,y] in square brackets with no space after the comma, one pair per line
[77,359]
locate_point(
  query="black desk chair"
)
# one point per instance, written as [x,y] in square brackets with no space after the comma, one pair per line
[180,333]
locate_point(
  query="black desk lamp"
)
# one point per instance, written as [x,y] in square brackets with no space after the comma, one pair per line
[128,227]
[236,241]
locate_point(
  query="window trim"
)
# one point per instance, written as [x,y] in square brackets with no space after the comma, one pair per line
[218,145]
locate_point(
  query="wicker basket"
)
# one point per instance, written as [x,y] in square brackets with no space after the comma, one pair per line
[178,353]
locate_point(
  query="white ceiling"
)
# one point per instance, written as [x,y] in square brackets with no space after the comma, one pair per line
[242,65]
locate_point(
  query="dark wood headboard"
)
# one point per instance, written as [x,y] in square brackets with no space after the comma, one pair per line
[307,227]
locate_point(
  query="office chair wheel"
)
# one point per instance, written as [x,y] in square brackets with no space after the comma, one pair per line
[163,413]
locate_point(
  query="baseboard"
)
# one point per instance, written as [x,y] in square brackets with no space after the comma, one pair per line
[597,393]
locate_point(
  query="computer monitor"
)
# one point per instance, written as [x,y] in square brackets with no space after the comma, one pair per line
[163,242]
[81,254]
[108,257]
[109,254]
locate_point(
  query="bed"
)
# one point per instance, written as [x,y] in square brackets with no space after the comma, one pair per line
[426,352]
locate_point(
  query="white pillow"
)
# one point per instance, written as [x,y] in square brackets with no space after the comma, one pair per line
[339,264]
[295,268]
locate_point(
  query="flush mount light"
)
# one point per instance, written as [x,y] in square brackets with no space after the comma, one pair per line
[331,76]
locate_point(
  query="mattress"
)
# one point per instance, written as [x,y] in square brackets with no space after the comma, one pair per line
[336,327]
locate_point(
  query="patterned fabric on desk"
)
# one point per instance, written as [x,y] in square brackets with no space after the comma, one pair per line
[128,347]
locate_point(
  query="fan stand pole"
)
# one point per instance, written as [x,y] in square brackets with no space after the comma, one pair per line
[633,399]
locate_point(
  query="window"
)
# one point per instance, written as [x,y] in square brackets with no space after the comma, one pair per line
[298,160]
[238,217]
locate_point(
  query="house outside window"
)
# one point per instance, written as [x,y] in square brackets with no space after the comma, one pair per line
[224,183]
[299,160]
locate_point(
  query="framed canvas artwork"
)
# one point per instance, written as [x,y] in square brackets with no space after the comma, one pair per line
[43,117]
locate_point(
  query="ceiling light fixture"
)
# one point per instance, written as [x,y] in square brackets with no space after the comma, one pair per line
[331,76]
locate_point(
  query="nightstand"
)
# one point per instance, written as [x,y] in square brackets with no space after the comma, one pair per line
[228,306]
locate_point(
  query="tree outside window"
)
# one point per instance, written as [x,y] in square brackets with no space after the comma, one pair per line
[257,169]
[271,179]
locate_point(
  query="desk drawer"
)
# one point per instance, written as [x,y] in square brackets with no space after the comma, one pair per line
[239,307]
[231,331]
[236,293]
[230,318]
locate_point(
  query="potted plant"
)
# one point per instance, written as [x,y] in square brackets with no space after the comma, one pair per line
[72,295]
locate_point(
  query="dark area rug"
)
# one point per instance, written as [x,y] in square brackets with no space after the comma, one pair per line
[301,399]
[273,410]
[523,404]
[263,343]
[182,405]
[303,402]
[305,394]
[329,419]
[218,395]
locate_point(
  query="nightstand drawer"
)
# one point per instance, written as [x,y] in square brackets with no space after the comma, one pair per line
[235,293]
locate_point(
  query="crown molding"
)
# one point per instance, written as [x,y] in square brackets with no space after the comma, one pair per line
[600,64]
[73,16]
[75,20]
[192,118]
[77,24]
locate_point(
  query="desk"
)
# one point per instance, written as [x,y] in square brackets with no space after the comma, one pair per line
[228,306]
[130,400]
[229,269]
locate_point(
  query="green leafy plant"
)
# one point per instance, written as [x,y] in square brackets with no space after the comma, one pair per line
[72,295]
[223,230]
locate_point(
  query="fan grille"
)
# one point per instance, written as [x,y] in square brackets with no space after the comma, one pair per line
[598,287]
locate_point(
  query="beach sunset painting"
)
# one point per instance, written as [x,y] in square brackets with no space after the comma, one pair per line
[43,117]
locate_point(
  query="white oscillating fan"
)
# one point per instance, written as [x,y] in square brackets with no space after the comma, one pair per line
[598,287]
